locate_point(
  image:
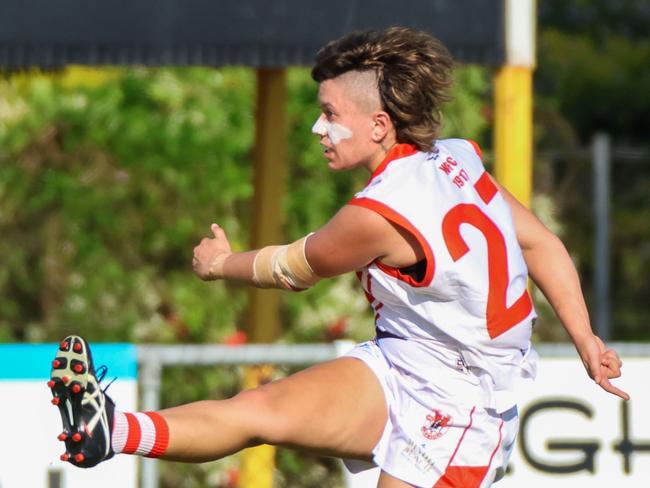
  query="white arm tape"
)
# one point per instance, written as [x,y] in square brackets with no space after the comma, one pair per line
[284,267]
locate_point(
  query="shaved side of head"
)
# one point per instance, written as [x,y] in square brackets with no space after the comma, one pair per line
[362,88]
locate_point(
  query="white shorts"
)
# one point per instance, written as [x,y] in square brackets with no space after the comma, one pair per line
[435,440]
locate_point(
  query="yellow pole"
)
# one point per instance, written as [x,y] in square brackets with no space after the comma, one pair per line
[269,172]
[258,464]
[513,93]
[513,130]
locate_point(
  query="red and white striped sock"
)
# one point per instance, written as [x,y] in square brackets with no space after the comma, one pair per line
[146,434]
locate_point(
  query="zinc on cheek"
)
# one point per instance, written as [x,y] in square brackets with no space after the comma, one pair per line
[335,132]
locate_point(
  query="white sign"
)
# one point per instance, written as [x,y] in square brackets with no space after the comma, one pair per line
[30,424]
[572,433]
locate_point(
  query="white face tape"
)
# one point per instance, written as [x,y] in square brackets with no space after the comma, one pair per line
[335,132]
[320,127]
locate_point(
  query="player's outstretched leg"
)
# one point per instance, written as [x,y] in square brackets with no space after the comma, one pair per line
[337,408]
[86,411]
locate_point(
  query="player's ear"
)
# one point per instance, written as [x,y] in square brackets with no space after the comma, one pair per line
[382,126]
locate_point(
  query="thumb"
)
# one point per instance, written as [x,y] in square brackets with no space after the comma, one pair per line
[215,228]
[589,351]
[595,370]
[591,363]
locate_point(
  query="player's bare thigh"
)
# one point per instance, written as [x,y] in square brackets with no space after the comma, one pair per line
[336,408]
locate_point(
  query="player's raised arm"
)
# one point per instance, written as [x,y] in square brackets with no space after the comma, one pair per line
[551,268]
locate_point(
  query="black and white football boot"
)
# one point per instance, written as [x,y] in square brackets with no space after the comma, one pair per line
[86,411]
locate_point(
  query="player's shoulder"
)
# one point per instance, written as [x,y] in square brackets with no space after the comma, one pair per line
[466,147]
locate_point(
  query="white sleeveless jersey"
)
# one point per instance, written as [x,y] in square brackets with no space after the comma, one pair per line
[471,308]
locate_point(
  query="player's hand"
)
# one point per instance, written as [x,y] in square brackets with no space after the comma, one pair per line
[601,363]
[209,252]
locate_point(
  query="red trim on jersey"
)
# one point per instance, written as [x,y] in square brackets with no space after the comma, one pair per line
[134,434]
[365,289]
[467,476]
[462,476]
[393,216]
[162,435]
[471,421]
[486,188]
[497,446]
[476,147]
[457,476]
[371,298]
[398,151]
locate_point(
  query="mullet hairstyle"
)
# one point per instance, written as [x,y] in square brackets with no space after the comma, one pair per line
[413,76]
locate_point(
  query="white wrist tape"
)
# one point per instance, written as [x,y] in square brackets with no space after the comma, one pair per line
[215,271]
[284,267]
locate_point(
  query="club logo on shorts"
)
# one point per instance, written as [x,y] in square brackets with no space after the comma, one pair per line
[437,425]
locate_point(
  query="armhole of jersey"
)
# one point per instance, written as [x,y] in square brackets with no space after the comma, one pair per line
[476,147]
[398,219]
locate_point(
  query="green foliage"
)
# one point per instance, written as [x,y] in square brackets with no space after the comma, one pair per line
[599,85]
[597,19]
[323,472]
[594,76]
[465,115]
[105,190]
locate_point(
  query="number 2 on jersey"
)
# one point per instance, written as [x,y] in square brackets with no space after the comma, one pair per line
[500,317]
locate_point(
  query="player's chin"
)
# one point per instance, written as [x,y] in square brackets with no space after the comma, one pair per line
[335,166]
[333,163]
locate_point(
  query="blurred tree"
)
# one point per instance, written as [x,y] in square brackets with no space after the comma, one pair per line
[600,85]
[104,191]
[594,75]
[598,19]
